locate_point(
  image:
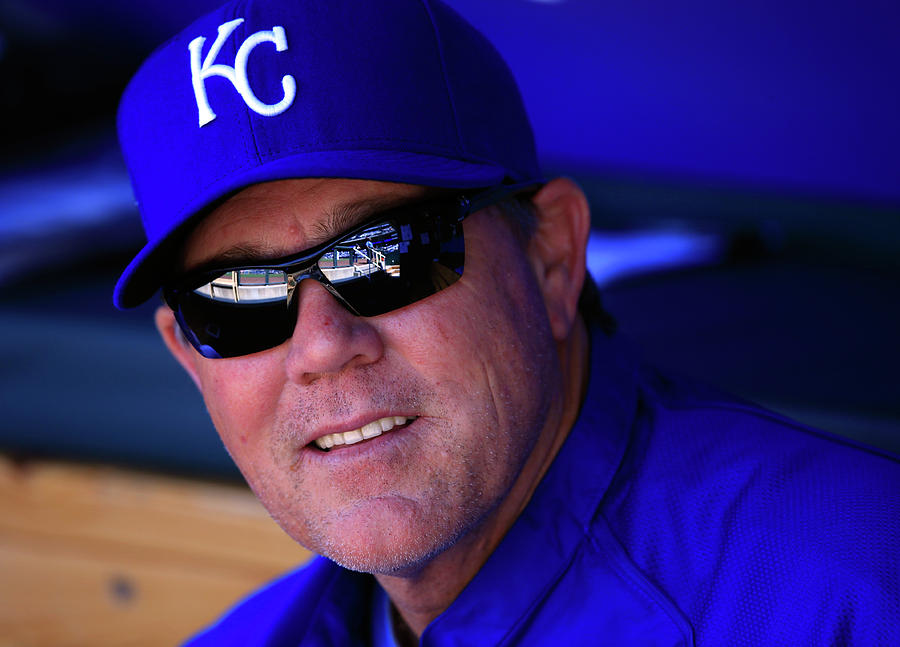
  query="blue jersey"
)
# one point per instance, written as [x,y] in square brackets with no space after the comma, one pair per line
[673,515]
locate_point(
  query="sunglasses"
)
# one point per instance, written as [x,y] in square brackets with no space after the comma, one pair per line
[391,260]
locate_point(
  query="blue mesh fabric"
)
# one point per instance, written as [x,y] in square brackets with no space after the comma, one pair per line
[760,530]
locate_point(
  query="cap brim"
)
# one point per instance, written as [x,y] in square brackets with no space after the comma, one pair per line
[145,274]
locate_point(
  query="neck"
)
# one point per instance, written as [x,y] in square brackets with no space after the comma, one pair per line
[420,597]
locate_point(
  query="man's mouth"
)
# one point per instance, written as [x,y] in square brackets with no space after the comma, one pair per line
[367,431]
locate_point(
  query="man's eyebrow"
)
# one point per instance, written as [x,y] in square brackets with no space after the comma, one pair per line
[342,217]
[337,219]
[241,253]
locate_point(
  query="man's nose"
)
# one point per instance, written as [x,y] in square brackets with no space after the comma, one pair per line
[328,338]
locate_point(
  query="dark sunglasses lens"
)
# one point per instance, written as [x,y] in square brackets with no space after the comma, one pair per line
[239,313]
[380,268]
[392,264]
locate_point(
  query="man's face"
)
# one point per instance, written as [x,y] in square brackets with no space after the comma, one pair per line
[473,367]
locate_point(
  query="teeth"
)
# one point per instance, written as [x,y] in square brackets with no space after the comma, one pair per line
[375,428]
[351,437]
[370,430]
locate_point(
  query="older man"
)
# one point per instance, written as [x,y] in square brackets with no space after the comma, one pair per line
[384,306]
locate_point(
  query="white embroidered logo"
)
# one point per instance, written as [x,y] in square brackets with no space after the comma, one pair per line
[237,74]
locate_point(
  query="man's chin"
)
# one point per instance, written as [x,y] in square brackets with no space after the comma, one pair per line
[384,545]
[398,563]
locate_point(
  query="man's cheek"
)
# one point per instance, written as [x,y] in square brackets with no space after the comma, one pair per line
[236,408]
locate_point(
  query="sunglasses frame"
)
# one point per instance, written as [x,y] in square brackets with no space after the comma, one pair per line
[304,265]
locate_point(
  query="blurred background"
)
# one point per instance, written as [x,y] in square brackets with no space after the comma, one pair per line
[741,160]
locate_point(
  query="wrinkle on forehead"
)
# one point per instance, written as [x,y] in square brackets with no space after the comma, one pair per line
[275,219]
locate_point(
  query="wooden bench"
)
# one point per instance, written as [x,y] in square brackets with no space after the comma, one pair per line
[93,556]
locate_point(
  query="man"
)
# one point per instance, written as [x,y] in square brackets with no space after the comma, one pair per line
[384,306]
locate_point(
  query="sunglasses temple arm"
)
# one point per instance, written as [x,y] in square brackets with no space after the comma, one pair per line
[481,200]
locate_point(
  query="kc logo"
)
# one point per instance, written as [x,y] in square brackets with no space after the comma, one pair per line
[237,74]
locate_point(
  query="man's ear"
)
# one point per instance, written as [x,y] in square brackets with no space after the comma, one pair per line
[558,248]
[175,341]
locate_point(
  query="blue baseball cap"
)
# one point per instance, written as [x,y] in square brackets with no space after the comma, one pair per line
[394,90]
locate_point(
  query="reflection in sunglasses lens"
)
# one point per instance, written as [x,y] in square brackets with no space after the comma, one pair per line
[247,286]
[389,265]
[371,251]
[385,266]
